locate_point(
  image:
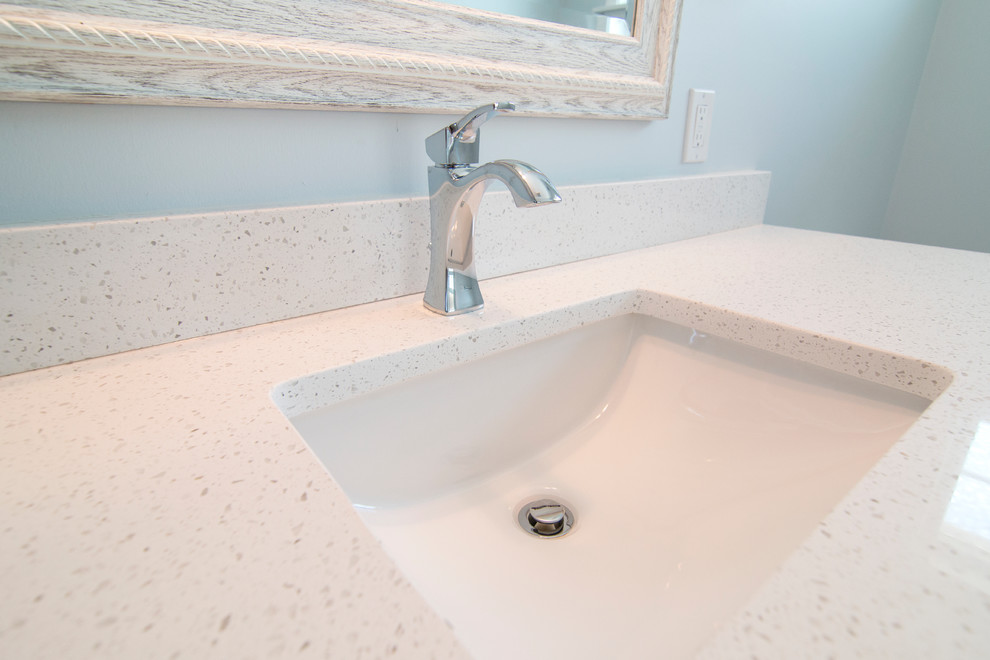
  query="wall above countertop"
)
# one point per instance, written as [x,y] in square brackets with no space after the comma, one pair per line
[86,290]
[939,195]
[827,115]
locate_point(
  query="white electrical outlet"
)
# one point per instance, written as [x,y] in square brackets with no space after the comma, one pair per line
[697,132]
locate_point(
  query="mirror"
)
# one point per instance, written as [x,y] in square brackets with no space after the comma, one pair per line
[389,55]
[612,16]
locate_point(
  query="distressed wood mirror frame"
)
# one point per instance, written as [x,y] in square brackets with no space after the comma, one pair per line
[387,55]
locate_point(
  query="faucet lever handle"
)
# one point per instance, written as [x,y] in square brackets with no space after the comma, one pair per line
[466,128]
[457,144]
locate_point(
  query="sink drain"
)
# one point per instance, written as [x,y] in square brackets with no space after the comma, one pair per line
[545,518]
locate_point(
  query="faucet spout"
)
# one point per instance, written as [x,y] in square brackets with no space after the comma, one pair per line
[455,195]
[528,185]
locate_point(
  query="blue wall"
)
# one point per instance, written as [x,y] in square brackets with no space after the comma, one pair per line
[820,93]
[941,195]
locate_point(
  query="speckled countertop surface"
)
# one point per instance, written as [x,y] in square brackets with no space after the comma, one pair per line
[157,504]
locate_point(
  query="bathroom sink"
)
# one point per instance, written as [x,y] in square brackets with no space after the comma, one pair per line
[692,467]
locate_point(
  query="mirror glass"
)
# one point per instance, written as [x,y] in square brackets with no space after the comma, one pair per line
[612,16]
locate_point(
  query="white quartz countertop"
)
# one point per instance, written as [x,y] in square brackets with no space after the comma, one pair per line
[157,504]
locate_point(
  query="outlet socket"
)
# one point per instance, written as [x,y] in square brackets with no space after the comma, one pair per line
[698,128]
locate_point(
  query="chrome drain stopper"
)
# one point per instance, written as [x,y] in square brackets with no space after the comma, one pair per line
[545,518]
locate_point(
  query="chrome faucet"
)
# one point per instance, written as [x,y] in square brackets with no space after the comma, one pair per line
[456,189]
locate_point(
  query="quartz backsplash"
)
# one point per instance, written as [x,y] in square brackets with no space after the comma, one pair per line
[84,290]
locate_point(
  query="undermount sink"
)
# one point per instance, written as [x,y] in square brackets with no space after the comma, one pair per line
[692,466]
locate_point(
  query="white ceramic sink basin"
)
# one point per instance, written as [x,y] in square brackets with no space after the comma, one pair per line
[693,466]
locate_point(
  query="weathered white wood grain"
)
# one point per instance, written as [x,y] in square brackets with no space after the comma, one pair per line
[412,55]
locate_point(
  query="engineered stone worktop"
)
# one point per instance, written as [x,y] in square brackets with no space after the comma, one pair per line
[157,504]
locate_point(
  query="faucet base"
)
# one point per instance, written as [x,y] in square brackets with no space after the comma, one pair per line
[460,295]
[453,312]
